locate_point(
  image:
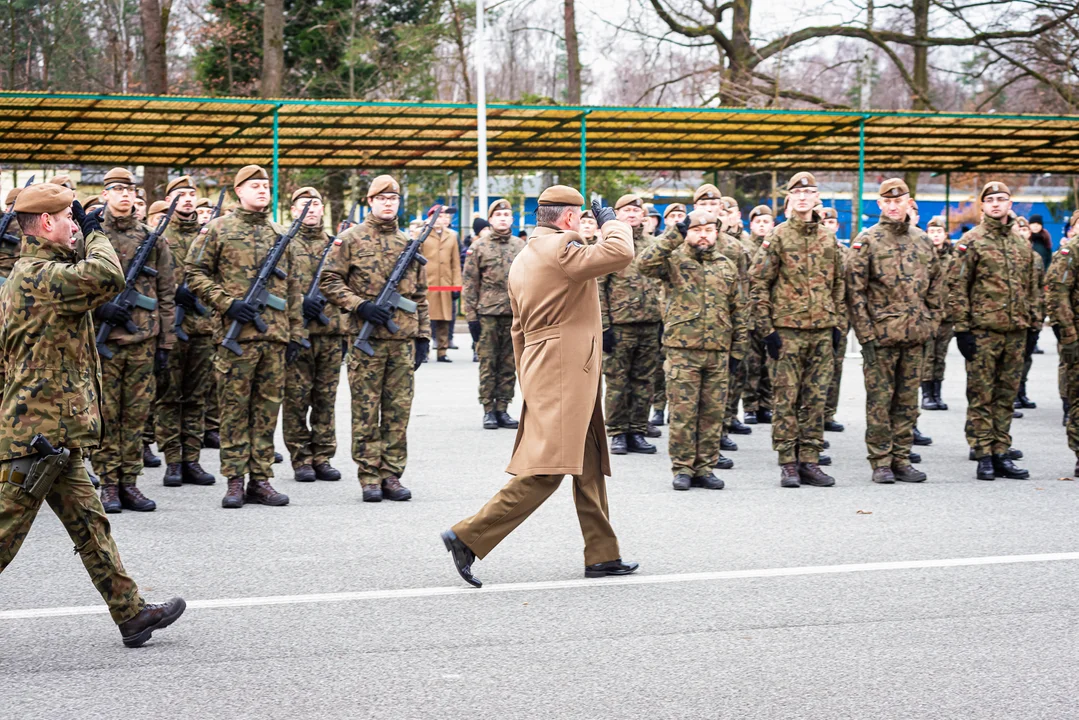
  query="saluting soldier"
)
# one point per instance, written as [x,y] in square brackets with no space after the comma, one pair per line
[672,215]
[830,221]
[757,395]
[311,381]
[589,230]
[897,293]
[651,219]
[556,338]
[1062,300]
[798,291]
[443,271]
[993,302]
[936,348]
[47,347]
[382,385]
[489,315]
[250,386]
[129,376]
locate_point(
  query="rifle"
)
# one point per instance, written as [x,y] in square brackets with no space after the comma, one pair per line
[350,220]
[8,217]
[181,312]
[313,292]
[129,298]
[258,294]
[388,298]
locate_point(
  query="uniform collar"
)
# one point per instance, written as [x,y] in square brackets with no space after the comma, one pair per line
[310,231]
[804,226]
[252,217]
[189,224]
[379,225]
[638,232]
[36,248]
[500,237]
[996,226]
[896,226]
[121,223]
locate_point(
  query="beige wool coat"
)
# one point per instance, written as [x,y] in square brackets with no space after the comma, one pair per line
[443,270]
[557,342]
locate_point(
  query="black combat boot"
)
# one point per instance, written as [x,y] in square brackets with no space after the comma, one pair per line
[136,631]
[920,439]
[929,400]
[709,482]
[305,473]
[234,495]
[941,405]
[636,443]
[985,469]
[618,444]
[883,476]
[211,440]
[195,475]
[110,497]
[443,358]
[131,498]
[174,476]
[749,417]
[724,463]
[490,420]
[657,418]
[726,444]
[833,426]
[372,493]
[278,458]
[824,459]
[682,481]
[1021,399]
[392,489]
[764,416]
[1005,468]
[905,472]
[811,474]
[652,431]
[738,428]
[263,493]
[325,471]
[1011,454]
[149,459]
[915,458]
[788,475]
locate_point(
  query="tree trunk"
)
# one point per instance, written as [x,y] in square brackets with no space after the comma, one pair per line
[573,57]
[155,81]
[920,8]
[273,48]
[462,55]
[740,62]
[335,196]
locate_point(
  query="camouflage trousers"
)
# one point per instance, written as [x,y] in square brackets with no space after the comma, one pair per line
[213,412]
[628,370]
[382,388]
[440,329]
[891,403]
[992,383]
[498,368]
[77,506]
[735,385]
[696,390]
[832,401]
[936,352]
[757,393]
[311,385]
[800,380]
[659,381]
[250,389]
[127,392]
[1071,389]
[181,405]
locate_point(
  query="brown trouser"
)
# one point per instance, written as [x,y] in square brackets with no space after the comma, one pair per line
[524,493]
[441,330]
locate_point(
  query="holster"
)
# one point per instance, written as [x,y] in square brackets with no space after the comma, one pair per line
[36,475]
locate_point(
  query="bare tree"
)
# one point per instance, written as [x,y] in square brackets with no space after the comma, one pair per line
[273,48]
[573,57]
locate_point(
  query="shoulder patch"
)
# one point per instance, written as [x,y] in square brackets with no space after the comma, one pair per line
[961,247]
[765,243]
[856,245]
[469,251]
[1063,251]
[574,243]
[337,240]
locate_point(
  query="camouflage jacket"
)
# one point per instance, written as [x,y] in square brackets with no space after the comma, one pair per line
[629,297]
[236,246]
[896,285]
[487,274]
[9,253]
[796,280]
[359,265]
[1062,295]
[127,234]
[706,306]
[182,236]
[47,345]
[994,286]
[307,249]
[845,314]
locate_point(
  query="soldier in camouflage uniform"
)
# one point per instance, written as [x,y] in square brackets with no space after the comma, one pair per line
[672,215]
[211,438]
[311,381]
[730,226]
[897,290]
[936,347]
[798,291]
[993,301]
[45,314]
[250,386]
[629,306]
[487,309]
[1022,228]
[182,385]
[382,385]
[1062,301]
[757,394]
[9,244]
[129,382]
[830,221]
[705,337]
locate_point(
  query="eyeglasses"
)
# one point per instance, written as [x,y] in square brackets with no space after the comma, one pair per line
[803,192]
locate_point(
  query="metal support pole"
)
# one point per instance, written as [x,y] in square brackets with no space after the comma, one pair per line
[584,156]
[481,105]
[948,203]
[461,203]
[857,205]
[275,158]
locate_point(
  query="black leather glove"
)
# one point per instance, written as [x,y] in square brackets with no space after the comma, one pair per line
[161,360]
[373,313]
[185,298]
[733,363]
[423,349]
[292,352]
[608,340]
[602,213]
[474,330]
[773,343]
[312,308]
[88,223]
[456,294]
[837,336]
[113,314]
[241,311]
[967,346]
[1032,340]
[683,227]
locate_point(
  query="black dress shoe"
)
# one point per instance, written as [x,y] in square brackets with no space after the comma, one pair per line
[325,471]
[749,417]
[443,358]
[739,428]
[490,421]
[136,631]
[462,556]
[636,443]
[929,400]
[195,475]
[1005,468]
[618,445]
[915,458]
[305,473]
[709,482]
[614,567]
[920,439]
[764,416]
[724,463]
[1016,414]
[174,476]
[278,458]
[985,469]
[727,445]
[833,426]
[681,481]
[652,431]
[149,459]
[824,460]
[504,420]
[657,418]
[211,440]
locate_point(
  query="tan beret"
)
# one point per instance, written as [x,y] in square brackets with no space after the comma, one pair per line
[500,204]
[730,202]
[203,202]
[181,183]
[706,191]
[651,210]
[702,216]
[628,199]
[159,206]
[828,212]
[118,176]
[914,205]
[893,188]
[44,198]
[383,185]
[306,192]
[938,221]
[759,210]
[588,214]
[140,194]
[249,172]
[1020,220]
[994,187]
[91,202]
[802,179]
[64,180]
[11,195]
[672,208]
[561,195]
[1074,219]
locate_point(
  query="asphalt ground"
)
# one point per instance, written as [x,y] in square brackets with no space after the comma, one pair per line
[954,598]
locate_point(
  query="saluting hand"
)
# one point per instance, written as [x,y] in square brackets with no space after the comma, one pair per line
[602,213]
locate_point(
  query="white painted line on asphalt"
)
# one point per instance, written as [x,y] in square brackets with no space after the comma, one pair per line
[363,595]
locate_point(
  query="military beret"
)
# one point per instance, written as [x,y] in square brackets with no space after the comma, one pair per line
[203,202]
[500,204]
[938,221]
[588,214]
[91,202]
[181,183]
[651,210]
[140,194]
[64,180]
[994,187]
[759,210]
[706,191]
[383,185]
[673,207]
[306,192]
[629,199]
[1020,220]
[893,188]
[415,224]
[828,212]
[44,198]
[159,206]
[249,172]
[730,202]
[118,176]
[11,195]
[702,216]
[561,195]
[914,205]
[803,180]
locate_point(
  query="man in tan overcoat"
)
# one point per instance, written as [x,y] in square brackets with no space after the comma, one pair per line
[443,278]
[557,345]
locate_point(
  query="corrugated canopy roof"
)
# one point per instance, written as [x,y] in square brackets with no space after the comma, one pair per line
[227,132]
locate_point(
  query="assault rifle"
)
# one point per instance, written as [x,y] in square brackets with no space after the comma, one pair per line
[350,220]
[5,221]
[258,294]
[313,292]
[388,298]
[181,312]
[129,298]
